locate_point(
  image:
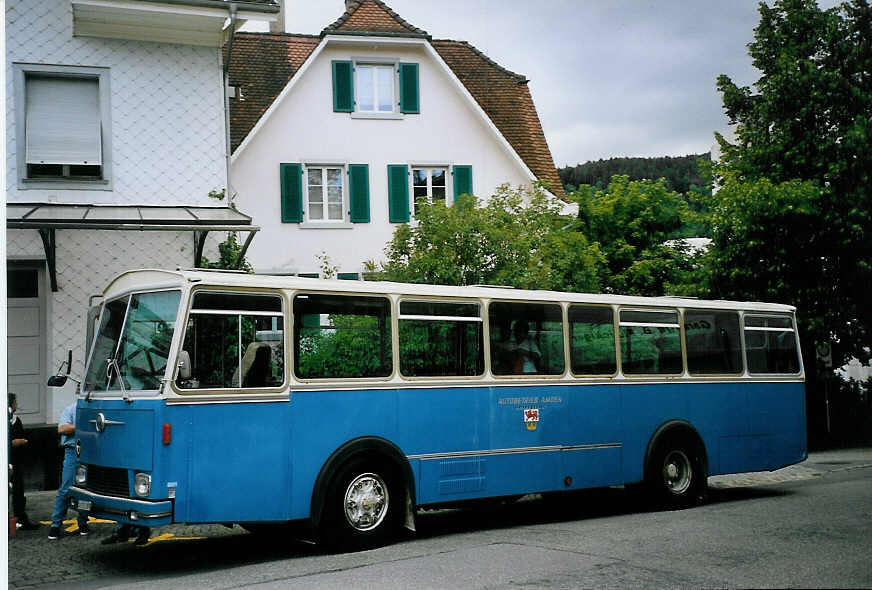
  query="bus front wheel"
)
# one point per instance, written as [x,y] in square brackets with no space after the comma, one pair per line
[364,508]
[677,475]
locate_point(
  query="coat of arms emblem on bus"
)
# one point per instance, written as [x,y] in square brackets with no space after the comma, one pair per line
[531,418]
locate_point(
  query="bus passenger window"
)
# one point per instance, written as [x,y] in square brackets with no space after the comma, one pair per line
[439,339]
[592,340]
[526,338]
[233,341]
[713,346]
[340,336]
[770,342]
[650,342]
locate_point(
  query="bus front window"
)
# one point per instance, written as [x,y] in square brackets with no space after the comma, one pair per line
[136,331]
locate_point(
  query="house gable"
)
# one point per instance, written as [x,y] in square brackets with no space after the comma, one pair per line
[503,96]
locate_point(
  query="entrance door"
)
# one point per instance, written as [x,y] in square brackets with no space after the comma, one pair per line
[26,339]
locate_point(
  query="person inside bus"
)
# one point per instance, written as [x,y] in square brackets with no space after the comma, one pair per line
[525,353]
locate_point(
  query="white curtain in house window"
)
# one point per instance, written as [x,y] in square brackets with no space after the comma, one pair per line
[63,121]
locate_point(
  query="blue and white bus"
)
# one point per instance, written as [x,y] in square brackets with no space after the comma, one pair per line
[214,397]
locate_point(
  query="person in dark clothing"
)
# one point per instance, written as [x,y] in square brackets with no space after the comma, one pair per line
[17,442]
[123,532]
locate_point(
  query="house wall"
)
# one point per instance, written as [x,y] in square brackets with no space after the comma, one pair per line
[167,147]
[167,114]
[303,128]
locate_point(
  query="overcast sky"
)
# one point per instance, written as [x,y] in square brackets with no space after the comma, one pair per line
[609,77]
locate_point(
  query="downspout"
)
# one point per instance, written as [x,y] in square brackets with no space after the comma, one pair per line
[226,80]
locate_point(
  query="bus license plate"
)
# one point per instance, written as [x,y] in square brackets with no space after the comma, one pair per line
[84,505]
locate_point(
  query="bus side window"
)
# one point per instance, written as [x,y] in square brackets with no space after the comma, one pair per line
[650,342]
[526,338]
[341,336]
[233,341]
[770,342]
[592,340]
[713,345]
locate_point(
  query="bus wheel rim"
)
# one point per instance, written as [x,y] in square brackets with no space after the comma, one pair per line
[366,502]
[677,472]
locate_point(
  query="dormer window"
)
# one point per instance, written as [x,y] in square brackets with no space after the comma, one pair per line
[375,88]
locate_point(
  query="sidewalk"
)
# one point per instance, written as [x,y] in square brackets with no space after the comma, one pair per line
[817,465]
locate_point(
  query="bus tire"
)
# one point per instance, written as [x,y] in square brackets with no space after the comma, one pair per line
[677,476]
[364,507]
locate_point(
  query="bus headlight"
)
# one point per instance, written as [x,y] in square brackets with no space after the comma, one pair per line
[142,484]
[81,474]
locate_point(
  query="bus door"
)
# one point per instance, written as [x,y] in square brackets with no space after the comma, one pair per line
[235,419]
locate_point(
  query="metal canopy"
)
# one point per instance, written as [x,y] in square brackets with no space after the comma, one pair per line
[46,218]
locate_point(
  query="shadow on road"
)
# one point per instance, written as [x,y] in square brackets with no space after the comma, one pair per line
[213,553]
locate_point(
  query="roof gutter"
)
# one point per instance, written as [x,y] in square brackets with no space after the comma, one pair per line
[252,6]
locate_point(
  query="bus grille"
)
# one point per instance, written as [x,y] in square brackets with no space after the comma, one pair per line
[109,481]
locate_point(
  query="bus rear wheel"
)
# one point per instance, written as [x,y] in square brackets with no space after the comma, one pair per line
[364,507]
[677,475]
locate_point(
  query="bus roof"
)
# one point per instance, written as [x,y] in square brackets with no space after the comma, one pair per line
[146,279]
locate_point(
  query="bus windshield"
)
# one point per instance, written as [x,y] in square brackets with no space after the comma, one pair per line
[133,342]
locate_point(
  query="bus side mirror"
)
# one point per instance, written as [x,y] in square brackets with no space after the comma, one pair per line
[184,365]
[59,379]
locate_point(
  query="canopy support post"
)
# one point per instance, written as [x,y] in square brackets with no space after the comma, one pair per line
[48,242]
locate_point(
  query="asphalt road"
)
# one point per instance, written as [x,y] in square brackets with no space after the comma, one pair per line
[809,525]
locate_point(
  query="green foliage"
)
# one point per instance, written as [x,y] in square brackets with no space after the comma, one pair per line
[682,174]
[791,219]
[228,254]
[633,223]
[518,238]
[353,346]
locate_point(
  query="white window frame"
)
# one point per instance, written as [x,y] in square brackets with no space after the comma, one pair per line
[449,191]
[20,72]
[394,64]
[343,175]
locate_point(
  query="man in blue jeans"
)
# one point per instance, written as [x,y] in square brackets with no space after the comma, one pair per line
[67,430]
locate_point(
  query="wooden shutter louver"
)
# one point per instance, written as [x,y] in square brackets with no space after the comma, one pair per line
[398,193]
[292,192]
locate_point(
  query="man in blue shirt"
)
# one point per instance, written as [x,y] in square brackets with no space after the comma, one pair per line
[67,430]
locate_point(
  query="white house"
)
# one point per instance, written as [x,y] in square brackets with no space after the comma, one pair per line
[337,136]
[116,133]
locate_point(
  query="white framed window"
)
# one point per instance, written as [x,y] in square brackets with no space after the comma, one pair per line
[429,185]
[375,85]
[325,193]
[63,130]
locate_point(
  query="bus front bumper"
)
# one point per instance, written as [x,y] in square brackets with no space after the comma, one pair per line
[140,512]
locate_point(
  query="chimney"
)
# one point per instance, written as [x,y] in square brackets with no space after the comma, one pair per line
[278,26]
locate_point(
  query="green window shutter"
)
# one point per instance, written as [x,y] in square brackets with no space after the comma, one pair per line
[358,189]
[398,193]
[409,95]
[462,180]
[292,192]
[343,86]
[348,276]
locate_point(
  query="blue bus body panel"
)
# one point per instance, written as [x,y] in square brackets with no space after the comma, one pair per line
[243,461]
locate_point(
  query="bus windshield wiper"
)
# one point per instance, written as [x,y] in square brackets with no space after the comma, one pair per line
[111,364]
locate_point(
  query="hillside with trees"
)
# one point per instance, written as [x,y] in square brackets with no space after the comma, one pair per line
[682,173]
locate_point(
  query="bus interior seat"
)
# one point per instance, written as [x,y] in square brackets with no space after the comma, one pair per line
[255,366]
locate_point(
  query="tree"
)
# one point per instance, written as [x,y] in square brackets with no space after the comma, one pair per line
[518,238]
[634,223]
[796,192]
